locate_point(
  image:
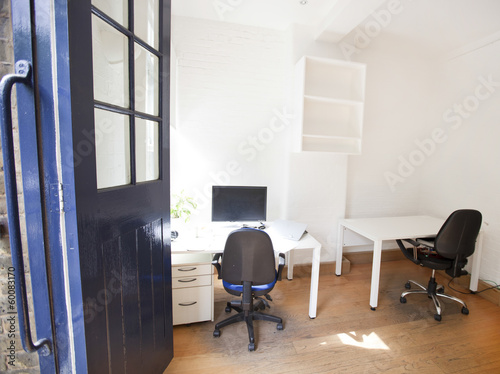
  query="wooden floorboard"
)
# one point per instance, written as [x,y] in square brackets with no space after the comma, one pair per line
[346,336]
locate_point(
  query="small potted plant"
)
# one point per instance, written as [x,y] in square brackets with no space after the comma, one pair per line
[181,208]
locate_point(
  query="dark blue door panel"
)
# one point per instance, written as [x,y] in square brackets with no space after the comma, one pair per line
[134,307]
[31,30]
[100,259]
[123,232]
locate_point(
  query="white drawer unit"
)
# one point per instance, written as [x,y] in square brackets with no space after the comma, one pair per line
[192,281]
[193,304]
[189,270]
[192,288]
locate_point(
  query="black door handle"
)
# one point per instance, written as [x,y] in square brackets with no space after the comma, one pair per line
[22,75]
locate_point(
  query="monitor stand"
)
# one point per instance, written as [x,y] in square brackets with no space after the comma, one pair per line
[239,225]
[255,225]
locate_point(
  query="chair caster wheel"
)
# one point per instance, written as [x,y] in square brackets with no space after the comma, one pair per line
[408,285]
[402,300]
[251,347]
[228,309]
[437,317]
[216,333]
[279,326]
[465,310]
[440,289]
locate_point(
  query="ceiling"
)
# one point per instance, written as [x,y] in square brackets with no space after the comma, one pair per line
[330,19]
[442,25]
[276,14]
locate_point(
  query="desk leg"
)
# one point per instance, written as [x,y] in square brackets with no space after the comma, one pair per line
[313,298]
[476,263]
[340,249]
[377,255]
[289,273]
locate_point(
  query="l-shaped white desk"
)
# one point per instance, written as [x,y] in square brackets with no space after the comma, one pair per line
[378,230]
[214,243]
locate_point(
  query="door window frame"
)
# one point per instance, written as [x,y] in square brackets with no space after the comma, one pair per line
[131,112]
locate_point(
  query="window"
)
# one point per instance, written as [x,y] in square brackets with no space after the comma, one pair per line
[126,76]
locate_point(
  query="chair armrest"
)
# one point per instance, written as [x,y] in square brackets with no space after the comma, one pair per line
[281,265]
[411,241]
[216,264]
[427,242]
[408,252]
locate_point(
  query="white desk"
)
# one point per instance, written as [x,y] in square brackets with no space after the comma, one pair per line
[392,228]
[214,243]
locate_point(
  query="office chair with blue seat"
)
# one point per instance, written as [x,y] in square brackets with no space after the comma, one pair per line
[448,251]
[247,268]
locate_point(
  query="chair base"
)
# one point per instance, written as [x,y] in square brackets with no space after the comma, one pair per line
[434,292]
[248,317]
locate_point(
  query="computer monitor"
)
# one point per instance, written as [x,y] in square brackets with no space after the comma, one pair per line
[239,203]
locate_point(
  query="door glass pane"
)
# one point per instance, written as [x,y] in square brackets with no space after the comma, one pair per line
[146,21]
[112,148]
[110,62]
[146,81]
[116,9]
[147,150]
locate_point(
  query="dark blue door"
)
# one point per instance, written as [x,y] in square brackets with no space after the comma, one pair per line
[101,95]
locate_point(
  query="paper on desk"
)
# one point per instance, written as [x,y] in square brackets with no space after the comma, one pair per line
[280,244]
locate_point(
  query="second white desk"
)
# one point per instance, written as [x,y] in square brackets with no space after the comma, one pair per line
[392,228]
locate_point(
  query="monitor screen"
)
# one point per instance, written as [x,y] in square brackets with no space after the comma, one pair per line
[238,203]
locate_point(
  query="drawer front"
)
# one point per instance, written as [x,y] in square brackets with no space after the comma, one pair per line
[190,270]
[194,281]
[192,304]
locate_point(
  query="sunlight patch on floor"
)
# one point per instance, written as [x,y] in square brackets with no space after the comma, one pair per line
[340,341]
[371,341]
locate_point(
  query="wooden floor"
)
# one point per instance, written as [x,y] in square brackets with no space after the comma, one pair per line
[346,336]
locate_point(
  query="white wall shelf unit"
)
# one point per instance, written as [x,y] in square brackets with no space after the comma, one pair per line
[330,102]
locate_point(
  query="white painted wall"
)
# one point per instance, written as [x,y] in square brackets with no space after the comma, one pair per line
[232,117]
[399,100]
[464,172]
[399,88]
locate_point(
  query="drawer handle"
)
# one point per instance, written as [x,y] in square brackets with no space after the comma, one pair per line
[187,269]
[186,280]
[188,304]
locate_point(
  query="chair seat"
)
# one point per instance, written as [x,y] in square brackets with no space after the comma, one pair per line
[255,288]
[436,262]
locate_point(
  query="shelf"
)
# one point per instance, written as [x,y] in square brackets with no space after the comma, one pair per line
[331,118]
[333,100]
[331,137]
[334,79]
[330,101]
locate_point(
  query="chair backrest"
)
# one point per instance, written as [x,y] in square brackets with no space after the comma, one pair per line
[457,237]
[248,256]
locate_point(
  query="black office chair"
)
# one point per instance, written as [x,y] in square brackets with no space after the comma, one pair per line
[247,267]
[448,251]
